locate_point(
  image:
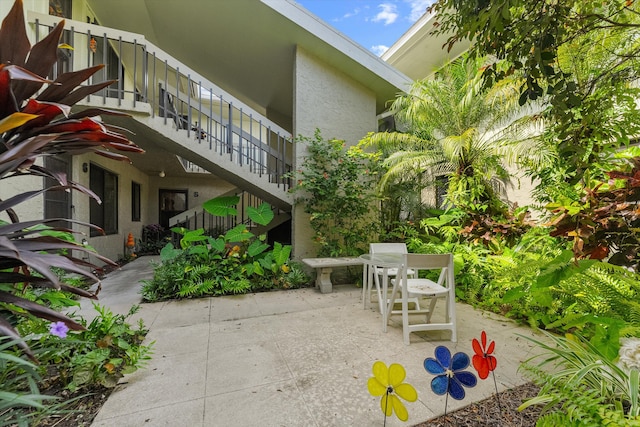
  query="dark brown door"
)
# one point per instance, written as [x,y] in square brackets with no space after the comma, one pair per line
[172,202]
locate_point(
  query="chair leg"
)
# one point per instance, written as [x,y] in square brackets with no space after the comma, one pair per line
[365,284]
[451,317]
[432,306]
[405,317]
[381,299]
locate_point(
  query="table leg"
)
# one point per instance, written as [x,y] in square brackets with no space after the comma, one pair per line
[383,300]
[365,285]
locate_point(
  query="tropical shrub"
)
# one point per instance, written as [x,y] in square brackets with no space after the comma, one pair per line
[337,187]
[456,131]
[581,386]
[33,125]
[603,223]
[153,240]
[79,362]
[110,348]
[20,390]
[235,262]
[596,299]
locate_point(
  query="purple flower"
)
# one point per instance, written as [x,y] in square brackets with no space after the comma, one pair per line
[59,329]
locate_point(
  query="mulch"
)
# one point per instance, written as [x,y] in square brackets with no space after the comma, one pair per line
[487,413]
[81,409]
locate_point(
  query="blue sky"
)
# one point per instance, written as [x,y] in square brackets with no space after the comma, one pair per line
[375,24]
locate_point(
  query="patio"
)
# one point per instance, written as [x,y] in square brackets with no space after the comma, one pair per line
[285,358]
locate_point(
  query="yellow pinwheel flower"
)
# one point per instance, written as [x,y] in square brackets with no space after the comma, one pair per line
[388,383]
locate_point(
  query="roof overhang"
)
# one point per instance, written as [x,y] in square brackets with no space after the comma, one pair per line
[419,53]
[247,47]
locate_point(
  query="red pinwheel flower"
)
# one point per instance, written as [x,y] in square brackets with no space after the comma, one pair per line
[482,360]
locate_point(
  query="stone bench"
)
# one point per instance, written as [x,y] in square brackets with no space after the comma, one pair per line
[325,266]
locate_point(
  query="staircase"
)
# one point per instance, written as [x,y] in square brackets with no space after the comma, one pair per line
[178,110]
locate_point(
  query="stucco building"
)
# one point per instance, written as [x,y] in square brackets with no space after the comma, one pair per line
[216,92]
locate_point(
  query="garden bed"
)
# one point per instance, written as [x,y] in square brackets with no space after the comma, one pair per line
[487,413]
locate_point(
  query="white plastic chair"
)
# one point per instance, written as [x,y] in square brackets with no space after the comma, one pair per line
[378,272]
[426,288]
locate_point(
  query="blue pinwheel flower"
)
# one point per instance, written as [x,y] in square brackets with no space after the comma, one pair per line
[450,375]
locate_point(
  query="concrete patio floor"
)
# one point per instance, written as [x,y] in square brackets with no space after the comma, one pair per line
[283,358]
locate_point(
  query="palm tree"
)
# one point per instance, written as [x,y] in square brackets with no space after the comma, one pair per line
[456,127]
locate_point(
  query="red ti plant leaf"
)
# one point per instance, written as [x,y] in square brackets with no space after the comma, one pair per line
[47,111]
[29,246]
[42,57]
[14,43]
[66,83]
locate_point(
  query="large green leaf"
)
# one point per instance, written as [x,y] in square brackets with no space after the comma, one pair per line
[222,206]
[281,253]
[239,233]
[256,248]
[263,215]
[217,244]
[561,268]
[193,236]
[169,252]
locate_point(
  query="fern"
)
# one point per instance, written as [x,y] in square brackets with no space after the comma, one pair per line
[239,286]
[188,290]
[582,382]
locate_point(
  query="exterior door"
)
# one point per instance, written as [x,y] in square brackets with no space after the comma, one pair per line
[172,202]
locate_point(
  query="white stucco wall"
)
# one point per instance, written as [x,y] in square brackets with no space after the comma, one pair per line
[27,210]
[340,107]
[111,246]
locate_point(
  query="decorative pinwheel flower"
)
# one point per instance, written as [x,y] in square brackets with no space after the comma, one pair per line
[388,383]
[450,376]
[482,360]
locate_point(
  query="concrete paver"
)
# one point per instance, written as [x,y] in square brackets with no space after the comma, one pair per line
[283,358]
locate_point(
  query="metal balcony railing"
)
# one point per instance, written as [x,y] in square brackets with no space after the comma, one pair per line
[143,73]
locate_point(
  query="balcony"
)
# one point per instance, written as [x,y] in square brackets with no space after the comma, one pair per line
[176,108]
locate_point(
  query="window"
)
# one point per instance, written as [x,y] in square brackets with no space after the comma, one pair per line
[57,204]
[135,201]
[61,8]
[105,215]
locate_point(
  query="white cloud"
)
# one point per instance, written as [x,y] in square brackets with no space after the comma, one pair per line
[388,14]
[379,49]
[350,14]
[418,8]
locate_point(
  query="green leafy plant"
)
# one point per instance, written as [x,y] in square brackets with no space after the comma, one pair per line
[100,355]
[112,349]
[455,128]
[580,385]
[20,391]
[579,56]
[604,223]
[336,186]
[236,262]
[34,124]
